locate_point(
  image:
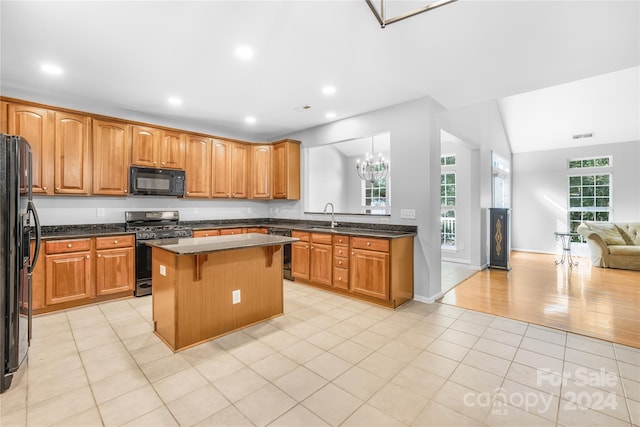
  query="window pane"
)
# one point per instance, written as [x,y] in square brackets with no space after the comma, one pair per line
[588,202]
[603,161]
[602,179]
[588,163]
[602,191]
[575,180]
[587,216]
[587,191]
[451,178]
[575,191]
[602,202]
[602,216]
[587,180]
[575,216]
[574,202]
[575,164]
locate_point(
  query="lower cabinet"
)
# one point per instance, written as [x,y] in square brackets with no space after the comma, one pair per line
[83,271]
[206,233]
[378,270]
[115,261]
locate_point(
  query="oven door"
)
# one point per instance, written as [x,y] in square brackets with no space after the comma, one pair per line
[143,269]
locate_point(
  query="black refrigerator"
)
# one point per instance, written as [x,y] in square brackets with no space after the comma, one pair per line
[19,224]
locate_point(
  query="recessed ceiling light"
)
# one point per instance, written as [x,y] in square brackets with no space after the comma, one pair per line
[331,115]
[244,52]
[51,69]
[329,90]
[174,100]
[250,120]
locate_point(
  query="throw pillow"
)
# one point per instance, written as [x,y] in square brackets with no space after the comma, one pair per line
[608,232]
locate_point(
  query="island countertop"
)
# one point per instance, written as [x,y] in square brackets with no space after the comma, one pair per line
[205,245]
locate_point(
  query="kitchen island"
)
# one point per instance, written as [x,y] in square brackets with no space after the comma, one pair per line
[209,286]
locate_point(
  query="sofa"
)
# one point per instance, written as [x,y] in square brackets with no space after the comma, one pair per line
[613,245]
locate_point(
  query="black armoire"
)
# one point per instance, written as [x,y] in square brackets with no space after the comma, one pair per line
[499,239]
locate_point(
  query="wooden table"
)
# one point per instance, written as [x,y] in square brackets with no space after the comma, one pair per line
[209,286]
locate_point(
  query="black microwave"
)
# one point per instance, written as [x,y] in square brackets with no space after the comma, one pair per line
[156,182]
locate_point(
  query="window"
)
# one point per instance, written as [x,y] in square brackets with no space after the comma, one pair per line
[591,162]
[589,199]
[375,197]
[448,201]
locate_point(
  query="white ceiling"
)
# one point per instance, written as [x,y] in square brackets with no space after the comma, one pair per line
[133,55]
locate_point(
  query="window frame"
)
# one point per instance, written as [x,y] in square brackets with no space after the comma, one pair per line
[594,210]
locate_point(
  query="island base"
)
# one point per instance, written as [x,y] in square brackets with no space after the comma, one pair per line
[200,297]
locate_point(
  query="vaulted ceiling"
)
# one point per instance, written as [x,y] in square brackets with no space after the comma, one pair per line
[133,56]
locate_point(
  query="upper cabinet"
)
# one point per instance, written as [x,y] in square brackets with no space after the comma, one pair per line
[36,126]
[72,165]
[286,169]
[173,148]
[261,172]
[83,154]
[198,167]
[145,143]
[230,169]
[111,157]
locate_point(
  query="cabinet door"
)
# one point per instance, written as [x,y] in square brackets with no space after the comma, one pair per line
[370,273]
[145,141]
[239,170]
[114,271]
[198,167]
[300,260]
[35,125]
[221,186]
[72,165]
[111,158]
[172,150]
[260,172]
[67,277]
[206,233]
[286,170]
[320,270]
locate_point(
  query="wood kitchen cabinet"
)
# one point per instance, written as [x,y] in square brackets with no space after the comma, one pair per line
[230,169]
[67,270]
[156,148]
[36,126]
[111,158]
[341,262]
[115,261]
[72,164]
[286,169]
[300,252]
[206,233]
[173,150]
[198,166]
[320,259]
[261,172]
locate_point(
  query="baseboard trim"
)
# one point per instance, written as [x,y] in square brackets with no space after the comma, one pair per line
[428,300]
[535,251]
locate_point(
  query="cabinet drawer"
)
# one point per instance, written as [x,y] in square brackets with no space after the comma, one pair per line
[370,243]
[303,236]
[341,250]
[63,246]
[321,238]
[206,233]
[342,262]
[341,278]
[114,242]
[341,240]
[229,231]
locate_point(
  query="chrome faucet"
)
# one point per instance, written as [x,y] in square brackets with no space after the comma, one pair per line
[333,216]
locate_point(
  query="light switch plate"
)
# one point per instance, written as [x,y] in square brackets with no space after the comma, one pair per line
[235,296]
[408,213]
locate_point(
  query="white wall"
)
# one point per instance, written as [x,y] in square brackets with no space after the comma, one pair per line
[479,125]
[540,192]
[415,153]
[330,164]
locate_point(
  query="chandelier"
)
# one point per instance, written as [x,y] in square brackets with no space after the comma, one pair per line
[372,169]
[381,15]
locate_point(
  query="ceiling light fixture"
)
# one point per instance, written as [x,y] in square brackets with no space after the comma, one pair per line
[331,115]
[582,135]
[244,52]
[174,100]
[381,15]
[51,69]
[250,120]
[371,170]
[329,90]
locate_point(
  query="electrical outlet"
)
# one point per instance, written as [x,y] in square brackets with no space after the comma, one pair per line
[163,270]
[408,213]
[384,220]
[235,296]
[100,212]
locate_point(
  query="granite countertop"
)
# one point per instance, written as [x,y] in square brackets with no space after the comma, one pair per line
[204,245]
[57,232]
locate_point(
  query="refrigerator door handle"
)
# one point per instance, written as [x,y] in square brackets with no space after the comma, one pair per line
[31,208]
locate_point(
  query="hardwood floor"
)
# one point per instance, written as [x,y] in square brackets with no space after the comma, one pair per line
[597,302]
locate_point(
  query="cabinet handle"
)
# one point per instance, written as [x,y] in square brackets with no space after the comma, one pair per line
[155,163]
[88,257]
[339,262]
[311,247]
[115,242]
[188,193]
[124,191]
[353,253]
[69,245]
[339,278]
[163,163]
[98,256]
[368,243]
[44,188]
[57,188]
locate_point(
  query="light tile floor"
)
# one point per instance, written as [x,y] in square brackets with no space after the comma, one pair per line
[453,273]
[329,360]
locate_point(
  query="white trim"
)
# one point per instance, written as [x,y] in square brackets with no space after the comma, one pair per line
[428,300]
[456,260]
